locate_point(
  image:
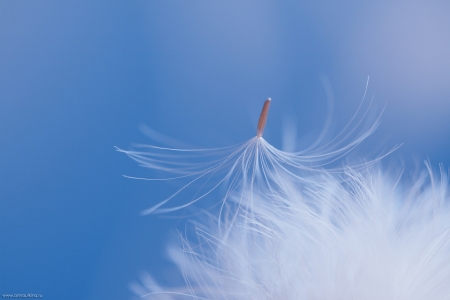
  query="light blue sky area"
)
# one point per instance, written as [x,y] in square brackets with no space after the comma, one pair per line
[77,79]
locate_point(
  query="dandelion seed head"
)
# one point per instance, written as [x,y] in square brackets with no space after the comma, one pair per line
[291,225]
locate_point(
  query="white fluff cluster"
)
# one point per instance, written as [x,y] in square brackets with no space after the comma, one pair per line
[357,237]
[289,229]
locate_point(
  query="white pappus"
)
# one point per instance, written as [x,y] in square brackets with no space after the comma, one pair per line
[290,227]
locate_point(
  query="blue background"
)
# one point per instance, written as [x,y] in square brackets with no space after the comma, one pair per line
[77,78]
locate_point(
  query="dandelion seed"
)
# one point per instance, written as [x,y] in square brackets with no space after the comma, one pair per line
[254,164]
[291,226]
[263,118]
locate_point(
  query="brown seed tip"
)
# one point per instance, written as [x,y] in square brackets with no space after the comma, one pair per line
[263,118]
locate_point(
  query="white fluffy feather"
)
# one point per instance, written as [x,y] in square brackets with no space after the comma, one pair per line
[290,229]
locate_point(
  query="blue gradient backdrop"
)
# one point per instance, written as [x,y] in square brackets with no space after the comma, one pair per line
[77,78]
